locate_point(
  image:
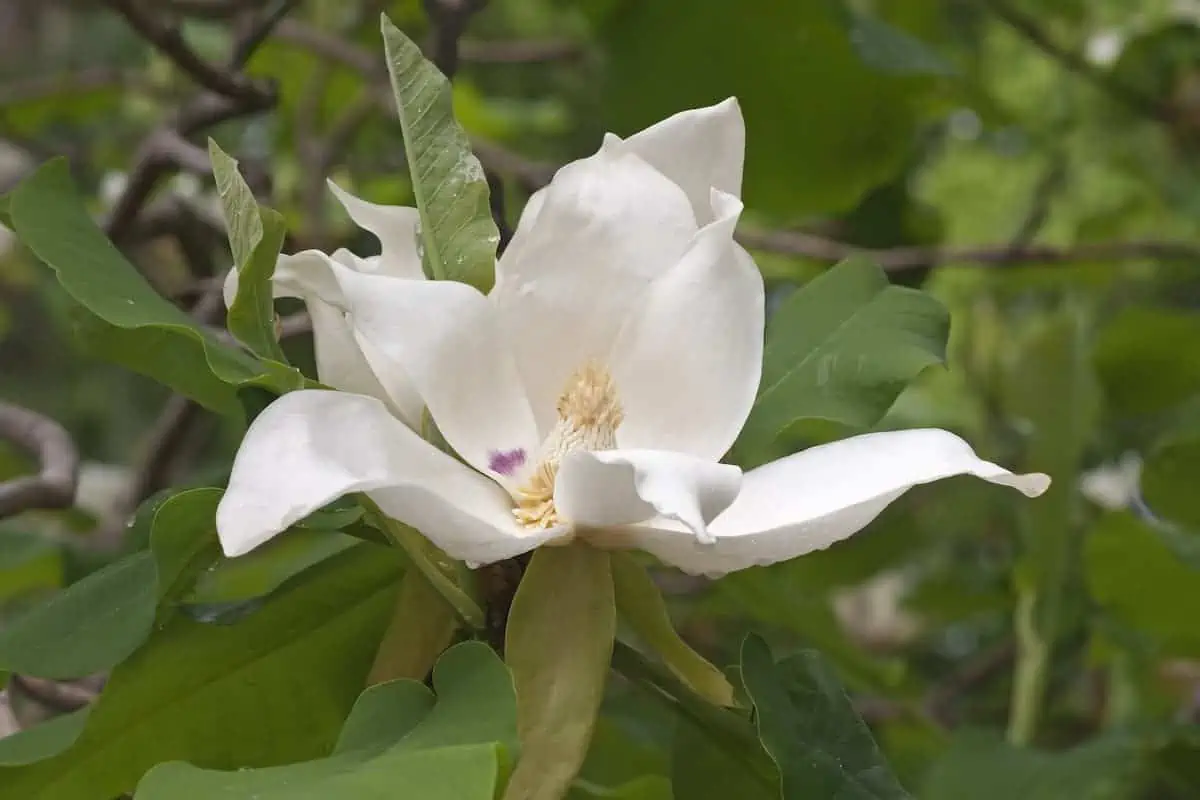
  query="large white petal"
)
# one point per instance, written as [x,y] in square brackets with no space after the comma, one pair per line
[310,447]
[443,336]
[700,149]
[604,488]
[687,365]
[597,236]
[823,495]
[396,228]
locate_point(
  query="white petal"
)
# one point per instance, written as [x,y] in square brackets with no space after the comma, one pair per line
[700,149]
[342,364]
[311,447]
[813,499]
[580,263]
[396,227]
[443,336]
[619,487]
[687,365]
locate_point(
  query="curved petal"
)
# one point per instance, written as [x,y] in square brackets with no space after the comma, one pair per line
[699,150]
[687,365]
[443,336]
[813,499]
[396,228]
[603,488]
[311,447]
[602,230]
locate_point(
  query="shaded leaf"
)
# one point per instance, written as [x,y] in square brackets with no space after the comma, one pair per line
[842,348]
[1141,364]
[89,626]
[457,230]
[1169,481]
[889,49]
[558,644]
[44,740]
[272,688]
[266,568]
[812,732]
[422,626]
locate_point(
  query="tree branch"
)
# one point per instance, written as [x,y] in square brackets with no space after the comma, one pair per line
[1075,62]
[58,462]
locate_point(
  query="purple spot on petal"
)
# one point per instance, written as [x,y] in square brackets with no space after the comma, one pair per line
[506,462]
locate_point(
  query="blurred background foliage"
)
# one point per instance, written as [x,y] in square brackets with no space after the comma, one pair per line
[1043,156]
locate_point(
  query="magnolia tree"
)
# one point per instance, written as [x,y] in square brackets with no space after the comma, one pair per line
[469,511]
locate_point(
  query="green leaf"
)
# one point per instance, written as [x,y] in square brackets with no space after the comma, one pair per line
[1169,480]
[42,741]
[273,688]
[1133,573]
[457,230]
[88,627]
[810,729]
[266,568]
[794,64]
[558,644]
[392,737]
[704,770]
[641,606]
[255,238]
[29,562]
[1141,364]
[842,348]
[422,626]
[981,767]
[184,540]
[133,325]
[889,49]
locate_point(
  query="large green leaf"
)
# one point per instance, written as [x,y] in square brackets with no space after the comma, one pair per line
[273,688]
[1141,362]
[558,644]
[812,732]
[822,125]
[1169,480]
[842,348]
[395,736]
[457,230]
[88,627]
[255,238]
[982,767]
[1133,573]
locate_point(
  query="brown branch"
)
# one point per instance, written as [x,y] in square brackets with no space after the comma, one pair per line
[58,462]
[60,696]
[519,51]
[170,42]
[1076,63]
[897,259]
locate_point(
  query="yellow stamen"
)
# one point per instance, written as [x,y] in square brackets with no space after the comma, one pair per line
[589,414]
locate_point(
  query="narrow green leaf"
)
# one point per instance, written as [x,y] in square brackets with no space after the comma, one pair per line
[457,230]
[810,729]
[88,627]
[842,349]
[255,239]
[641,606]
[558,644]
[184,540]
[422,626]
[273,688]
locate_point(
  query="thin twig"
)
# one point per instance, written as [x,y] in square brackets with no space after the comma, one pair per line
[252,39]
[58,462]
[170,42]
[1077,63]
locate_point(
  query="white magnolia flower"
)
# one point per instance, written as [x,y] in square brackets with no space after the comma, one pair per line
[591,394]
[340,360]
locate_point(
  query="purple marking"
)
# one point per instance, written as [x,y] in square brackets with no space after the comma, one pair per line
[506,462]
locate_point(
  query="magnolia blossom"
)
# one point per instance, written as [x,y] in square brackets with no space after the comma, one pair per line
[590,395]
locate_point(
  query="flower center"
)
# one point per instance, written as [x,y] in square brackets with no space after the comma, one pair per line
[589,414]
